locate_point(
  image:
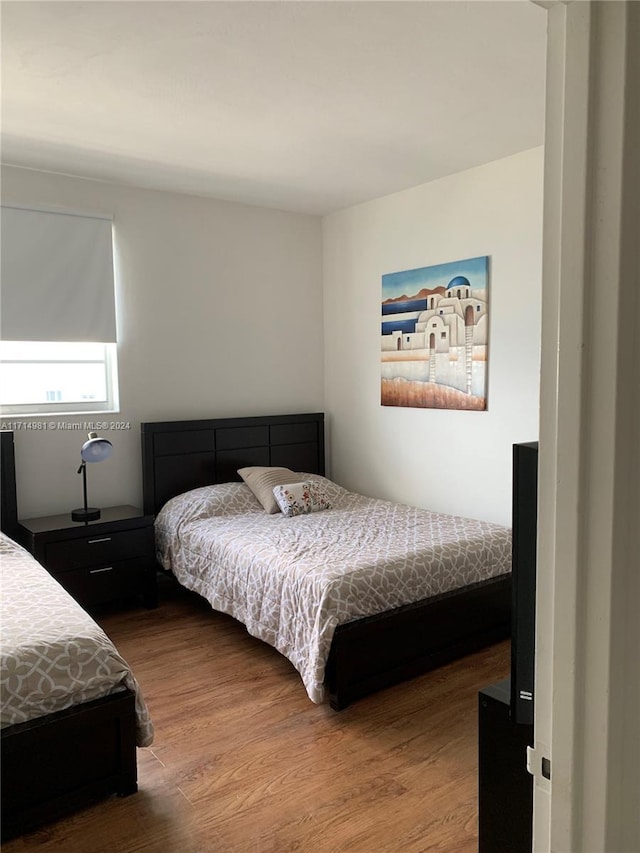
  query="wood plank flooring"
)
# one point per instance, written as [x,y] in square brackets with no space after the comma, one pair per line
[243,762]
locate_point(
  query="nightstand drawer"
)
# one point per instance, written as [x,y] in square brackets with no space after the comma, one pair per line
[97,550]
[104,584]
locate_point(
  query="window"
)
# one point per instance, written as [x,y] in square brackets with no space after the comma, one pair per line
[39,377]
[58,324]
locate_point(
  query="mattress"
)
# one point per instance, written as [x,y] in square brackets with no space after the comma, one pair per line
[292,581]
[53,655]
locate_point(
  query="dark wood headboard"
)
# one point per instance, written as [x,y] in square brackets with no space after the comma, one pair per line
[8,506]
[181,455]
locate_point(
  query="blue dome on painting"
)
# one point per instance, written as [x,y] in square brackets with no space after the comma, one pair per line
[458,281]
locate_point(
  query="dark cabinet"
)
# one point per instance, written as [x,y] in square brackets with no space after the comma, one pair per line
[100,561]
[505,787]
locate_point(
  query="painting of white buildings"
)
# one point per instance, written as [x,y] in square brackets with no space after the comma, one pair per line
[435,324]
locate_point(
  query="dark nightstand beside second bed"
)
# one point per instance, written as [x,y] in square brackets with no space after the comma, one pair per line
[99,561]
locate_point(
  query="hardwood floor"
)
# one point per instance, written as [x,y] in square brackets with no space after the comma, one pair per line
[243,762]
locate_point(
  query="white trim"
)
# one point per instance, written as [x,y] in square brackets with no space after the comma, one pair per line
[589,502]
[563,275]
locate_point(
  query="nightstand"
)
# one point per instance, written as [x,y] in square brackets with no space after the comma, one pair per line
[98,561]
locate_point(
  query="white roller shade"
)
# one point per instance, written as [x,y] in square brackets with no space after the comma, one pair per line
[57,277]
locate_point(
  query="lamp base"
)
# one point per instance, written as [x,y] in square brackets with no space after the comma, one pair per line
[89,513]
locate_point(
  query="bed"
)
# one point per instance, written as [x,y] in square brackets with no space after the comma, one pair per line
[72,713]
[356,649]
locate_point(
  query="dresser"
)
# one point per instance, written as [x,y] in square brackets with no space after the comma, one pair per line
[101,561]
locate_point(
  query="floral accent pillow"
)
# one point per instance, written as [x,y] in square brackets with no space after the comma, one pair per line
[301,498]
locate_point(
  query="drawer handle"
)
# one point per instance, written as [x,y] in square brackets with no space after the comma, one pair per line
[93,541]
[97,571]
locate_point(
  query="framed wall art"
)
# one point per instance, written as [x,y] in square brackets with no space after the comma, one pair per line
[435,323]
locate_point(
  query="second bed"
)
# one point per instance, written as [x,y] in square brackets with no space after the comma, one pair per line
[357,596]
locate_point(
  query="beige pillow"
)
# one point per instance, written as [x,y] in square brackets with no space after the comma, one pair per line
[261,481]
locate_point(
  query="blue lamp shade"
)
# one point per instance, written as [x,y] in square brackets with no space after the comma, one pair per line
[94,450]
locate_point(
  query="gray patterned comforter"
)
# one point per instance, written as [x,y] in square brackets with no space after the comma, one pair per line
[52,654]
[291,581]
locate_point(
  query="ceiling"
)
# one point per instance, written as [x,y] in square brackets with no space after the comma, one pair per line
[297,105]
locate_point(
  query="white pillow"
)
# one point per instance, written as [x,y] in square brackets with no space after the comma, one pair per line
[301,498]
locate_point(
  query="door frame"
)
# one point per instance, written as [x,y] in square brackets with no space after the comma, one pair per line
[587,681]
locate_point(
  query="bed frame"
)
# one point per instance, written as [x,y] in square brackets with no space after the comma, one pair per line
[60,762]
[367,654]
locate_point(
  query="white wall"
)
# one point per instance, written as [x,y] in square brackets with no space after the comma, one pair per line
[219,314]
[450,461]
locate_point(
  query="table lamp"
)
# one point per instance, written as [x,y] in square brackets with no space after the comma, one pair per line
[94,450]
